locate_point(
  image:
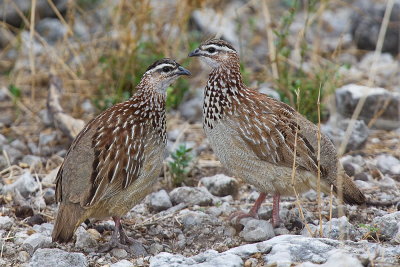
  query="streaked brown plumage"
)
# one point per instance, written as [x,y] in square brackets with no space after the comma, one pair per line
[115,159]
[254,136]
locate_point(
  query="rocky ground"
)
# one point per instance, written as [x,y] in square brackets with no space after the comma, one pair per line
[189,225]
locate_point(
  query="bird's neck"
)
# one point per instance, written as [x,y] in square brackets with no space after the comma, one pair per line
[149,106]
[149,99]
[224,86]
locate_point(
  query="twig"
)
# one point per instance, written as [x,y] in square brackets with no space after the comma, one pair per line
[31,40]
[67,124]
[40,188]
[3,244]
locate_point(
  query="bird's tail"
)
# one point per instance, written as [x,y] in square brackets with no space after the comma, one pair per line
[69,217]
[351,193]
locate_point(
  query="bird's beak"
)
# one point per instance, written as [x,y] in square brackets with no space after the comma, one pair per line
[183,71]
[194,53]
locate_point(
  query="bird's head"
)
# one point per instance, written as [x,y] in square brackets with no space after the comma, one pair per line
[216,52]
[162,74]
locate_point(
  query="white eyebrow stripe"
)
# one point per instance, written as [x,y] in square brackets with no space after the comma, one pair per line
[217,47]
[162,66]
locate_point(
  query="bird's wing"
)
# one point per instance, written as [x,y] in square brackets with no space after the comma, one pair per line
[105,158]
[271,131]
[73,176]
[118,160]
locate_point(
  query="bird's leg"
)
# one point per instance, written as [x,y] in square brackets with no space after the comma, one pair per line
[253,211]
[114,236]
[123,238]
[275,210]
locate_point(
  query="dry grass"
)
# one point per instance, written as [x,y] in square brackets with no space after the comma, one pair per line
[107,66]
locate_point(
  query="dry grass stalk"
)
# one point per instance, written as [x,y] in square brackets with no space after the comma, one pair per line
[69,33]
[340,196]
[13,171]
[3,243]
[31,55]
[40,187]
[317,41]
[19,12]
[298,202]
[270,38]
[379,113]
[59,16]
[319,201]
[372,74]
[330,208]
[7,158]
[24,108]
[51,49]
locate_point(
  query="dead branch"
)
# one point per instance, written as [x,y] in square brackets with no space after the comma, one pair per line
[67,124]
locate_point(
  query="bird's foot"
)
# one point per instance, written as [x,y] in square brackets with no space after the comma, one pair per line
[236,216]
[253,213]
[130,245]
[113,243]
[124,239]
[122,242]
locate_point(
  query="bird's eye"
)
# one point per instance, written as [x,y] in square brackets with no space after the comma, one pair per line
[166,69]
[211,50]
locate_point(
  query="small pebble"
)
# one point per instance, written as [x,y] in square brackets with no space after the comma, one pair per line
[6,222]
[252,262]
[35,241]
[160,201]
[119,253]
[362,176]
[155,248]
[23,256]
[256,230]
[49,196]
[23,211]
[36,219]
[122,263]
[94,233]
[220,185]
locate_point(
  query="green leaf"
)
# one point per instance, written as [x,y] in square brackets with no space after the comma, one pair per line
[15,91]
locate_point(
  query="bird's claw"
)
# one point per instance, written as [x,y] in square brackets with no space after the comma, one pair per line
[236,216]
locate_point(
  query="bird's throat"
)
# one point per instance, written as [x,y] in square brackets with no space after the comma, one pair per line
[223,88]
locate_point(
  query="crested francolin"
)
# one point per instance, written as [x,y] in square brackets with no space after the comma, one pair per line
[113,162]
[258,138]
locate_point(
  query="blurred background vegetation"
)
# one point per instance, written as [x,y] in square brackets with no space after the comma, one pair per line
[100,48]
